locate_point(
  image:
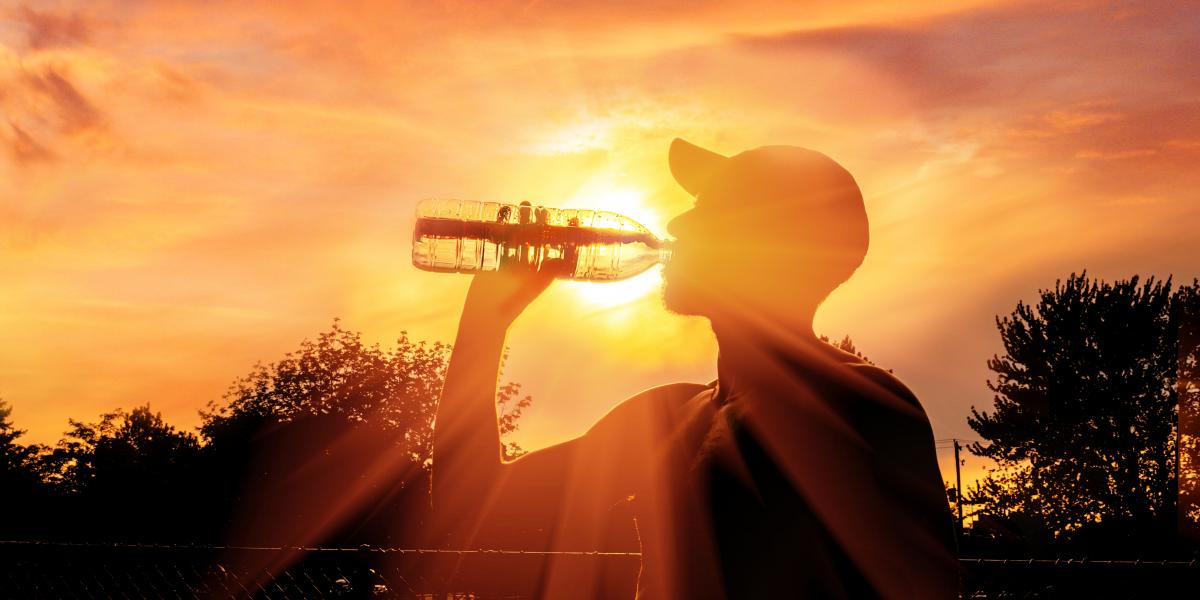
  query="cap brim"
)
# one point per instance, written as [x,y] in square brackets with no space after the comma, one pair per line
[692,165]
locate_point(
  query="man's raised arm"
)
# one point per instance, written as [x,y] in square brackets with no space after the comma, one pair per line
[550,496]
[467,458]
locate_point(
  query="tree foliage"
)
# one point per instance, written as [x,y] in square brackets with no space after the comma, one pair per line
[21,485]
[847,345]
[340,378]
[129,476]
[123,454]
[329,444]
[16,460]
[1083,427]
[334,439]
[1187,313]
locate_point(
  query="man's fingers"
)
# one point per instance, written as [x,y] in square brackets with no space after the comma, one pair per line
[509,290]
[557,267]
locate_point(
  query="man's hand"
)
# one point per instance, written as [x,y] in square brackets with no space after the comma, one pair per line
[466,438]
[503,295]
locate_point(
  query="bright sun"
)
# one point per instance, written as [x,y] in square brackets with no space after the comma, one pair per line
[603,195]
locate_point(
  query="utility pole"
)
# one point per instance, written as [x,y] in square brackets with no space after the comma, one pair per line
[958,483]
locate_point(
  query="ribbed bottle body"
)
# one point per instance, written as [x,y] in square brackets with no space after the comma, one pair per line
[466,236]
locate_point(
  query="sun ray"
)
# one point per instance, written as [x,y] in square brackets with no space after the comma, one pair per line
[601,193]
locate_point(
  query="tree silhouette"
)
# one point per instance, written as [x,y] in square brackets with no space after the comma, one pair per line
[332,441]
[122,450]
[1187,313]
[330,444]
[339,376]
[125,474]
[1083,428]
[847,345]
[17,461]
[21,487]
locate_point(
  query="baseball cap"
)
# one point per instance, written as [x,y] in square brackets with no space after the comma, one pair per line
[802,192]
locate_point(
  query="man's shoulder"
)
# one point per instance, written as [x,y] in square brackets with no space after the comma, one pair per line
[658,405]
[856,373]
[889,417]
[663,399]
[882,378]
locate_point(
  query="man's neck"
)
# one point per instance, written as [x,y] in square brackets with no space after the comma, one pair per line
[745,343]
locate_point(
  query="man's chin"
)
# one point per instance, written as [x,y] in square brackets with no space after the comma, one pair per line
[678,299]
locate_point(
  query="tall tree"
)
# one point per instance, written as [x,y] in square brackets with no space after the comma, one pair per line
[126,475]
[1083,427]
[21,487]
[122,449]
[332,441]
[1187,313]
[339,376]
[329,444]
[16,460]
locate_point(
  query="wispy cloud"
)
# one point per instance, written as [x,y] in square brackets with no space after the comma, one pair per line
[24,149]
[46,29]
[73,112]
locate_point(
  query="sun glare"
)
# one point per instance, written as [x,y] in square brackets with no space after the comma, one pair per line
[602,194]
[629,201]
[611,294]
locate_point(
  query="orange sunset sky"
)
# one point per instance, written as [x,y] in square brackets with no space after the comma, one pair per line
[187,188]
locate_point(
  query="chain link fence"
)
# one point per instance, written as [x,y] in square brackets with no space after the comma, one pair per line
[56,570]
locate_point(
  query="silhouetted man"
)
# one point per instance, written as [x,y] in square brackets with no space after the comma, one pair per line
[802,472]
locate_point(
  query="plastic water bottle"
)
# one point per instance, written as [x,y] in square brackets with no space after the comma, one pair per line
[465,236]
